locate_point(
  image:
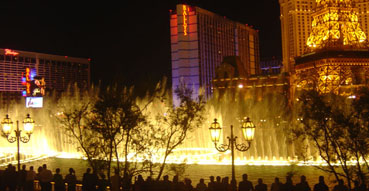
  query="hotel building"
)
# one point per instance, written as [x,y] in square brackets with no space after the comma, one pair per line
[57,71]
[363,14]
[295,28]
[337,56]
[324,48]
[296,21]
[199,41]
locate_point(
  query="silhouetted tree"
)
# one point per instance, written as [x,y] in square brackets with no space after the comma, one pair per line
[115,115]
[119,121]
[175,123]
[74,112]
[338,128]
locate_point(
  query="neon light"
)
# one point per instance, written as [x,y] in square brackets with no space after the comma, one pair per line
[28,81]
[185,19]
[11,52]
[32,74]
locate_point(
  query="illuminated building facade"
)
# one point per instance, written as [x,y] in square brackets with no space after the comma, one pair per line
[337,59]
[363,14]
[231,75]
[332,56]
[270,66]
[199,41]
[296,19]
[57,71]
[295,16]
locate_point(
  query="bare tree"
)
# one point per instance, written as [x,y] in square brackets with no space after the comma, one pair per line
[73,113]
[172,127]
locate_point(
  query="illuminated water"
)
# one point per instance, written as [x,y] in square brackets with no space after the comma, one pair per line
[270,146]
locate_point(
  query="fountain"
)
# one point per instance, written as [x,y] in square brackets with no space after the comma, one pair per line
[270,146]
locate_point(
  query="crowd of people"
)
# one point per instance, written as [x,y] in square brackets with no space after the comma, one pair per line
[23,180]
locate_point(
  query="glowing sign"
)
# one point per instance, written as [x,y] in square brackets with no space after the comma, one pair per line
[34,102]
[35,85]
[185,19]
[11,52]
[28,81]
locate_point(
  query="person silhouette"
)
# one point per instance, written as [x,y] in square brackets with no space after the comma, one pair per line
[303,185]
[340,186]
[201,186]
[288,186]
[245,185]
[71,180]
[211,184]
[321,186]
[261,186]
[276,185]
[58,180]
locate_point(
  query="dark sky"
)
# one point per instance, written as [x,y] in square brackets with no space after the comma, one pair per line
[127,42]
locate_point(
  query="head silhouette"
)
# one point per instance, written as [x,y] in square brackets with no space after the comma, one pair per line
[321,179]
[260,181]
[211,178]
[218,178]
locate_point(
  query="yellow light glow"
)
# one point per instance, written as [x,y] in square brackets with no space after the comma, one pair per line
[7,128]
[336,24]
[185,24]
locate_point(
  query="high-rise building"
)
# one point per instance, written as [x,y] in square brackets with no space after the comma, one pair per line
[296,22]
[58,71]
[199,41]
[338,55]
[295,16]
[334,58]
[363,14]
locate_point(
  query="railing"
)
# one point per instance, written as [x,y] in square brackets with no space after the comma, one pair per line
[37,186]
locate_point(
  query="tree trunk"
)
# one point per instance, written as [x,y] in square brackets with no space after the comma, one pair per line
[162,166]
[126,155]
[110,159]
[117,155]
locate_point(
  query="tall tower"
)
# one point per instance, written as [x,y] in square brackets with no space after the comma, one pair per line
[199,41]
[335,26]
[296,19]
[295,16]
[338,54]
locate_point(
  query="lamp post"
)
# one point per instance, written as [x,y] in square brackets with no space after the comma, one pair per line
[28,125]
[248,131]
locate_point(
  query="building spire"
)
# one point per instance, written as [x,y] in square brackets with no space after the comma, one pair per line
[335,26]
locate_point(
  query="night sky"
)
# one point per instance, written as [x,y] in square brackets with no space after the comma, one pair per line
[128,43]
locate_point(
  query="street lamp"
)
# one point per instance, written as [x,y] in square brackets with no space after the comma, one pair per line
[28,125]
[248,131]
